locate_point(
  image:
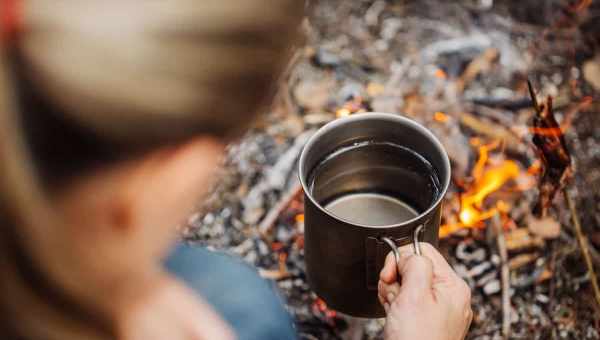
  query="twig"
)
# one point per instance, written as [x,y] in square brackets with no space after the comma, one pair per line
[267,223]
[273,274]
[480,64]
[583,245]
[492,130]
[504,275]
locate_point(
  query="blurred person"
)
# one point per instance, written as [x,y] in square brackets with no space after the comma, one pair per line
[113,116]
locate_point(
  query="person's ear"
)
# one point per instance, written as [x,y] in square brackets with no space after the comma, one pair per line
[127,215]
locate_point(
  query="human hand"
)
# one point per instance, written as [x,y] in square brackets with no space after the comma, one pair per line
[431,302]
[170,311]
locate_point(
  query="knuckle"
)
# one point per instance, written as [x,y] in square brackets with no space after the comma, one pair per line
[409,299]
[428,247]
[389,257]
[420,261]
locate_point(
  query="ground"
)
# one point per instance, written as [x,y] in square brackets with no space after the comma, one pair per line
[460,69]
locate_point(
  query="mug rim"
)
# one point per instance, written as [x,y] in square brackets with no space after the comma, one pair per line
[384,116]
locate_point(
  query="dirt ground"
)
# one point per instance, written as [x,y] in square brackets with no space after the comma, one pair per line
[460,68]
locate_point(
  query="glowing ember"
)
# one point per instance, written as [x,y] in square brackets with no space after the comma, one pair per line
[440,117]
[356,104]
[322,307]
[439,73]
[343,112]
[475,141]
[487,179]
[535,168]
[282,262]
[276,246]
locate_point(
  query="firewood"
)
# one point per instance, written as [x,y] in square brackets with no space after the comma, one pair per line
[520,239]
[504,275]
[551,147]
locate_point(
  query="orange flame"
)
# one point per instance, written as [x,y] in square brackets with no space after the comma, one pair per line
[440,117]
[535,168]
[487,179]
[584,104]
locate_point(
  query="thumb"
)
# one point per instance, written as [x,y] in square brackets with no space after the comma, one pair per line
[389,271]
[417,276]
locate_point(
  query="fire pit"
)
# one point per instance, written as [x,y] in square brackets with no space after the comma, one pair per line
[460,69]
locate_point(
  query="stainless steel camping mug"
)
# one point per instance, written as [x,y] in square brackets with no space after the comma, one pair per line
[344,256]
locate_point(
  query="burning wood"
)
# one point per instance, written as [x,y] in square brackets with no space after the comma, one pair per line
[552,149]
[487,179]
[549,139]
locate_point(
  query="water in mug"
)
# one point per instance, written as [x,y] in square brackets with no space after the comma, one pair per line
[375,183]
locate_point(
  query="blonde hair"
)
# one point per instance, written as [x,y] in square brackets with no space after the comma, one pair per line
[133,73]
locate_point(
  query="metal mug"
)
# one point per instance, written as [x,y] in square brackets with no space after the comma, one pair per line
[344,258]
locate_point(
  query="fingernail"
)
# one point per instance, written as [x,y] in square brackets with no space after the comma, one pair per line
[386,307]
[390,297]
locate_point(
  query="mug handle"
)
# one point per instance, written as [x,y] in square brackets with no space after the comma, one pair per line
[416,245]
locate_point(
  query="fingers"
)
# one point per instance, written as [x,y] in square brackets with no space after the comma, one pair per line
[440,265]
[417,276]
[417,273]
[389,272]
[387,293]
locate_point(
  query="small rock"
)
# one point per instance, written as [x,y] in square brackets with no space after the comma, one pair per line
[350,91]
[384,103]
[284,235]
[486,278]
[546,227]
[313,94]
[541,298]
[591,72]
[318,118]
[492,287]
[208,219]
[263,249]
[479,269]
[465,252]
[324,58]
[243,247]
[285,284]
[375,89]
[495,259]
[251,257]
[372,14]
[195,220]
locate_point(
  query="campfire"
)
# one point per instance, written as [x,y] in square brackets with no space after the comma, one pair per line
[520,222]
[486,179]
